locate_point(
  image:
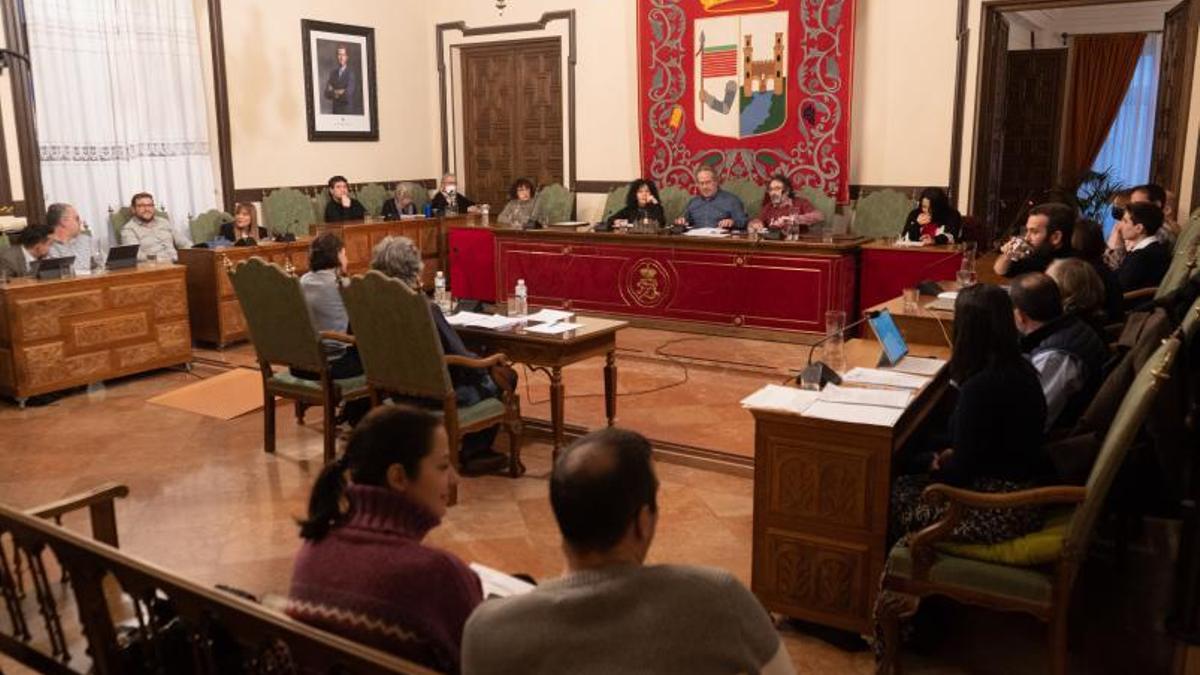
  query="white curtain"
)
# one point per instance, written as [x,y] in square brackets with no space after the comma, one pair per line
[120,106]
[1126,150]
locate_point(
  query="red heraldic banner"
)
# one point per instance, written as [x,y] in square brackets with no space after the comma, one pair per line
[752,88]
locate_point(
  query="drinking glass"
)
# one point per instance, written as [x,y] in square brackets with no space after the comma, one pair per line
[834,349]
[912,300]
[966,277]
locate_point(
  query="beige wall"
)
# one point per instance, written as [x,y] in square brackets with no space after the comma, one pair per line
[264,62]
[10,132]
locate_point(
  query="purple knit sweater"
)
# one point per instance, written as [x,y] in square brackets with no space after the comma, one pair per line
[371,580]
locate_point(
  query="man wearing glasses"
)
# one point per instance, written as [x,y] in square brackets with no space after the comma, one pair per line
[153,234]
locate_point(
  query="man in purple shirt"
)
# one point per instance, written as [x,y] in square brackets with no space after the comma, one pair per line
[713,207]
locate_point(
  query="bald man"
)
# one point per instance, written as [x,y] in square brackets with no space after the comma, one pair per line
[67,237]
[612,613]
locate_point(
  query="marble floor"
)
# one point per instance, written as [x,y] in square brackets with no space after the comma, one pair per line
[206,502]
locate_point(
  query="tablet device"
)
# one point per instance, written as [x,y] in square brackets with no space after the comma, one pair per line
[53,268]
[120,257]
[894,346]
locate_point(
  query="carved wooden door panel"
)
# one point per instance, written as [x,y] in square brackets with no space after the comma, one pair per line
[1174,94]
[512,116]
[989,137]
[1033,117]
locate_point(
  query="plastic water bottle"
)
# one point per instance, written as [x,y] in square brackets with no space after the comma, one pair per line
[522,295]
[439,292]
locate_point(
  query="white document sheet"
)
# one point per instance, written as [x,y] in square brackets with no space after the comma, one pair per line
[781,399]
[887,398]
[886,378]
[706,232]
[550,316]
[553,328]
[856,414]
[464,318]
[497,584]
[919,365]
[473,320]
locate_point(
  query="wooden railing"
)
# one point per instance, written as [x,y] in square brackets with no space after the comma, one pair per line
[110,613]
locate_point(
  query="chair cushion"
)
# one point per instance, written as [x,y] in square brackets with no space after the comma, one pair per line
[485,409]
[1035,548]
[285,381]
[974,575]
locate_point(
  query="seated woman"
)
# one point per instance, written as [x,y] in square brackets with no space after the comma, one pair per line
[1082,291]
[641,202]
[244,229]
[781,208]
[519,209]
[399,258]
[401,204]
[934,221]
[993,448]
[363,571]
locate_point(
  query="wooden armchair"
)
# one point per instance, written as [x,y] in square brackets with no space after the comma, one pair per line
[402,354]
[278,322]
[114,614]
[981,575]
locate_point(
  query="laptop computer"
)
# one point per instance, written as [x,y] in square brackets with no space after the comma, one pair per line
[53,268]
[121,257]
[894,346]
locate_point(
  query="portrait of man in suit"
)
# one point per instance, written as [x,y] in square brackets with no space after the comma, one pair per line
[342,94]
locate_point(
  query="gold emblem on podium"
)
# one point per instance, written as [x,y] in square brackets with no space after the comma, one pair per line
[648,283]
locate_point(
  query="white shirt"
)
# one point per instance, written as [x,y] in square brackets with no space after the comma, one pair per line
[29,259]
[80,247]
[1061,376]
[1146,241]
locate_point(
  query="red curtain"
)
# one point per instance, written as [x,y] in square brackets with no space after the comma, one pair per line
[1101,68]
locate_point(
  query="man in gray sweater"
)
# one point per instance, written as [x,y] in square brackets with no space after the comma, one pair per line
[612,613]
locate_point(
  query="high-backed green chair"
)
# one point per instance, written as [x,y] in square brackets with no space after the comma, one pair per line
[881,214]
[553,204]
[1184,259]
[288,211]
[402,355]
[674,201]
[372,196]
[118,218]
[824,203]
[318,203]
[282,332]
[749,192]
[989,575]
[615,201]
[418,192]
[204,227]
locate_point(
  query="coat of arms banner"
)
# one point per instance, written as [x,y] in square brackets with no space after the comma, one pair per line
[751,87]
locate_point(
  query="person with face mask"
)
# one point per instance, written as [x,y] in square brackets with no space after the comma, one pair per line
[449,201]
[1048,231]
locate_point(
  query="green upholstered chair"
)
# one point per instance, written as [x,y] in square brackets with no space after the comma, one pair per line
[615,201]
[749,192]
[824,203]
[674,201]
[1184,260]
[205,226]
[318,203]
[881,214]
[418,192]
[287,211]
[282,332]
[553,204]
[118,218]
[372,196]
[928,565]
[1191,322]
[402,355]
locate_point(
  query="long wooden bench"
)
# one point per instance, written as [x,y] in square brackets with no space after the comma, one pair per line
[74,605]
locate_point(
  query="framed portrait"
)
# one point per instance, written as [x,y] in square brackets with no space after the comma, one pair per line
[339,82]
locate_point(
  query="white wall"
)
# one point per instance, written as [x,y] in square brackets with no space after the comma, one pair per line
[10,131]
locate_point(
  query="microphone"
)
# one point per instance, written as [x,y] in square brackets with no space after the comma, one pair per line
[819,371]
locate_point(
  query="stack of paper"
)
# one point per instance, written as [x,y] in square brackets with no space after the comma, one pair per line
[885,378]
[550,316]
[706,232]
[497,584]
[874,415]
[553,328]
[917,365]
[780,399]
[491,321]
[885,398]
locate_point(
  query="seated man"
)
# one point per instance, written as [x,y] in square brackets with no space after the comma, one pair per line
[713,207]
[399,258]
[33,244]
[1048,231]
[449,201]
[1067,353]
[152,233]
[1147,259]
[342,206]
[611,613]
[67,237]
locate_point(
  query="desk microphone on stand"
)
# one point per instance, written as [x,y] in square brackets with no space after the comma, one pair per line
[820,372]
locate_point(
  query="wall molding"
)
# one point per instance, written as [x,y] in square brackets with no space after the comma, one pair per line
[502,29]
[258,193]
[23,112]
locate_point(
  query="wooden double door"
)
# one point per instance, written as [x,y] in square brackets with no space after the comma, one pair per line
[512,116]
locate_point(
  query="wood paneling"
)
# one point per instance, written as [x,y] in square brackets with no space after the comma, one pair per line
[1174,95]
[1034,92]
[989,136]
[512,118]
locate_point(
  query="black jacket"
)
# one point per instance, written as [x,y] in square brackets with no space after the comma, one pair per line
[336,213]
[227,234]
[634,214]
[392,210]
[439,203]
[1073,336]
[948,232]
[1145,267]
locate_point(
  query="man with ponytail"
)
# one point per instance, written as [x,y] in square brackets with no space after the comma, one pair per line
[363,571]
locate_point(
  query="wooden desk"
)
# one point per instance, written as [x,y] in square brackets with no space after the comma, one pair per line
[71,332]
[215,314]
[924,326]
[429,234]
[821,491]
[550,353]
[888,269]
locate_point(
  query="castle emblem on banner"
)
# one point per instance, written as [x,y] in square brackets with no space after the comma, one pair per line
[741,70]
